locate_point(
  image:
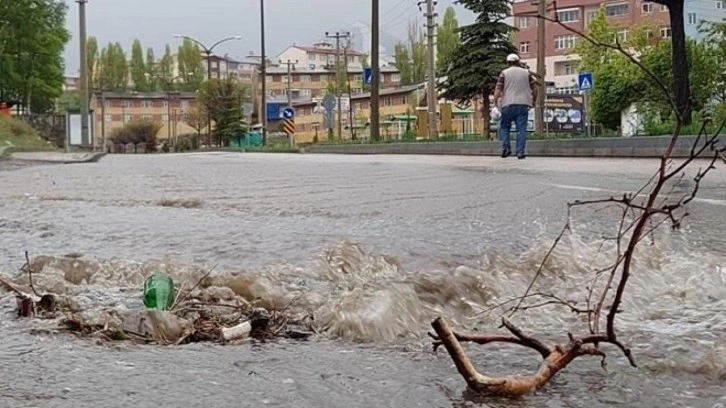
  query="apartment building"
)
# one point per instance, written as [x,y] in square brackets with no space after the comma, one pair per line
[114,109]
[71,83]
[307,82]
[394,103]
[561,61]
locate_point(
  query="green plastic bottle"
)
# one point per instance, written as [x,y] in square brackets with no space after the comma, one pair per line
[159,292]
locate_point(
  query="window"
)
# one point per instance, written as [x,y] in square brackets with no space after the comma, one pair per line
[396,78]
[568,16]
[616,10]
[647,8]
[165,104]
[621,35]
[570,68]
[127,118]
[665,32]
[311,57]
[107,118]
[357,90]
[268,78]
[388,101]
[648,34]
[270,92]
[145,117]
[524,47]
[720,4]
[147,104]
[357,78]
[563,42]
[691,18]
[165,118]
[126,104]
[107,104]
[663,8]
[404,100]
[305,92]
[524,22]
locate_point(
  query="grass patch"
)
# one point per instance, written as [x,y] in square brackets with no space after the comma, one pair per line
[16,135]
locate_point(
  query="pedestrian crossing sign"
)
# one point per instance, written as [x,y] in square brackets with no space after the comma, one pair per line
[584,81]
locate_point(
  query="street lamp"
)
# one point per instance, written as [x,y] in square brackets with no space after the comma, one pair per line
[208,51]
[263,73]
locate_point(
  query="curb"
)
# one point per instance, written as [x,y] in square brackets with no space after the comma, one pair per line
[91,158]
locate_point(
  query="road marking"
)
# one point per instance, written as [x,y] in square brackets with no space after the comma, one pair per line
[605,190]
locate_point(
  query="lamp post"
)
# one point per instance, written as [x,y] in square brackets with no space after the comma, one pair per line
[168,84]
[208,51]
[263,73]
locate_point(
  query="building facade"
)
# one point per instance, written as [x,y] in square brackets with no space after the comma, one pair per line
[561,61]
[115,109]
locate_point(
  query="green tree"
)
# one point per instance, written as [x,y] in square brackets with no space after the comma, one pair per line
[410,57]
[402,60]
[137,68]
[32,40]
[151,70]
[112,68]
[222,100]
[447,38]
[166,66]
[189,59]
[715,42]
[478,60]
[91,60]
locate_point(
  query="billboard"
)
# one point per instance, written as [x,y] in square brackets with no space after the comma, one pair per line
[563,113]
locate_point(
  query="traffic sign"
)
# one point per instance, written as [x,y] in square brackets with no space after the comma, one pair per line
[288,125]
[288,113]
[585,82]
[367,76]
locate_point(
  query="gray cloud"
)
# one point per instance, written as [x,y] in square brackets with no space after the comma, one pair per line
[154,22]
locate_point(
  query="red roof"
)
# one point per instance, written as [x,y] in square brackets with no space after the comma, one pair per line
[318,50]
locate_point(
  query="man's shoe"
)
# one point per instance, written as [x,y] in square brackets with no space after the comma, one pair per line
[521,156]
[506,153]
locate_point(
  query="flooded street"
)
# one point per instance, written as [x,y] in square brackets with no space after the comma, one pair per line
[375,247]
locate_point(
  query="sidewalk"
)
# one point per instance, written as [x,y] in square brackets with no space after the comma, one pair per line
[624,147]
[58,157]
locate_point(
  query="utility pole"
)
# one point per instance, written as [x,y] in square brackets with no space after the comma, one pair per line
[350,92]
[541,69]
[432,94]
[85,99]
[338,82]
[375,128]
[289,64]
[263,74]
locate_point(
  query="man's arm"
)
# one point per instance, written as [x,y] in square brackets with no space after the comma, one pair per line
[533,86]
[499,89]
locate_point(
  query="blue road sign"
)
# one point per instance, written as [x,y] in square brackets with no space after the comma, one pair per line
[367,76]
[585,82]
[288,113]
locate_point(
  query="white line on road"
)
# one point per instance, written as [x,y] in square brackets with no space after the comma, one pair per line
[605,190]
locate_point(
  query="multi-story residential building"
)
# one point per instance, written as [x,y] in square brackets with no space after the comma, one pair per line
[394,102]
[114,109]
[71,83]
[320,56]
[561,61]
[307,82]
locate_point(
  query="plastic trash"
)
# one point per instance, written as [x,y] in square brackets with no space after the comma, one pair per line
[159,292]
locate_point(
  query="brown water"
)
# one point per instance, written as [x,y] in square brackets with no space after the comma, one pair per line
[375,247]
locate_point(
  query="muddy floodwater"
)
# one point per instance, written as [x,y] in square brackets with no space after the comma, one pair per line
[374,247]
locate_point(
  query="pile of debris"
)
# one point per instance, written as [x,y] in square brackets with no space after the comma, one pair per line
[201,314]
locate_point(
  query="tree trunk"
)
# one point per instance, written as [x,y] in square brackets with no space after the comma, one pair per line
[681,83]
[485,116]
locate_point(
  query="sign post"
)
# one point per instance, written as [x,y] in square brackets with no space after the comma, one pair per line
[586,83]
[288,124]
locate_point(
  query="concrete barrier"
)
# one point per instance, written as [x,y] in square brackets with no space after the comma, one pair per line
[649,146]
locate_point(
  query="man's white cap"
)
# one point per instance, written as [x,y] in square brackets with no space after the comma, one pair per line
[512,58]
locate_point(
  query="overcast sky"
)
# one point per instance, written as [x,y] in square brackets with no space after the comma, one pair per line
[303,22]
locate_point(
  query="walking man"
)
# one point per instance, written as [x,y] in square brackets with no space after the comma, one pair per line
[515,94]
